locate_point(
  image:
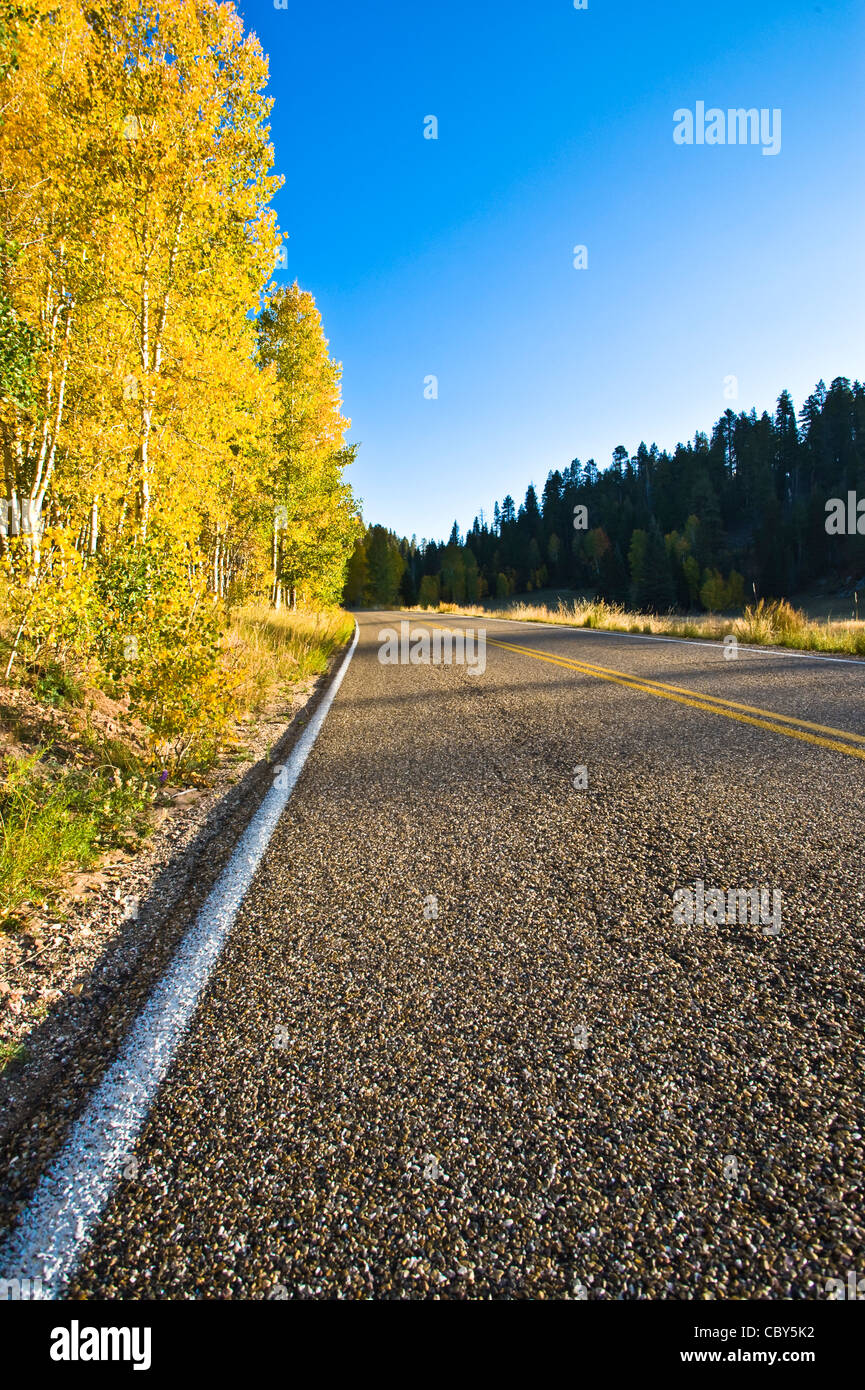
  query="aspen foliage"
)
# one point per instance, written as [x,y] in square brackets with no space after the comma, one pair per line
[316,521]
[166,413]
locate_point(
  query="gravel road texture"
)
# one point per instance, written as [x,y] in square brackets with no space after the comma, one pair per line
[458,1046]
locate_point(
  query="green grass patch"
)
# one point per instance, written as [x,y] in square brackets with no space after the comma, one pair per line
[11,1052]
[54,818]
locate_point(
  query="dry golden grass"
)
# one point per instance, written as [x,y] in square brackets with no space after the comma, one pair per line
[266,651]
[775,624]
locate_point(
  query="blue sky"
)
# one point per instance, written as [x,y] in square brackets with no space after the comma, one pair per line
[454,257]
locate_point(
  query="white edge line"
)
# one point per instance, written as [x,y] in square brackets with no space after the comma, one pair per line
[752,648]
[56,1225]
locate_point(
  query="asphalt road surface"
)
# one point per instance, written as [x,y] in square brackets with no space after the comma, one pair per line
[459,1046]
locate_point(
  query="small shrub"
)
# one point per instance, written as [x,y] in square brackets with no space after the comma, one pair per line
[55,685]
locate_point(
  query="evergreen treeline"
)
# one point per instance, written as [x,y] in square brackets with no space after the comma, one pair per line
[733,515]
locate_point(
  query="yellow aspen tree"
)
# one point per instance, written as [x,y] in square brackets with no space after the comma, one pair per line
[315,514]
[135,163]
[47,260]
[192,240]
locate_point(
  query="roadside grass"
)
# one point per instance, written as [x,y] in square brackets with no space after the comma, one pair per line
[11,1052]
[39,836]
[61,812]
[775,624]
[54,817]
[269,651]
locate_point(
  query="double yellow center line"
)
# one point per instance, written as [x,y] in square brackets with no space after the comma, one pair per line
[839,740]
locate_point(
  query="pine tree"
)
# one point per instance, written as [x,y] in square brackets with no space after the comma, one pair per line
[385,565]
[653,580]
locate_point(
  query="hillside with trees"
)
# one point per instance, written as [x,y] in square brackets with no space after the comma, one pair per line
[738,513]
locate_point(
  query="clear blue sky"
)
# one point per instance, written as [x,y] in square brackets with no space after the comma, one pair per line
[455,257]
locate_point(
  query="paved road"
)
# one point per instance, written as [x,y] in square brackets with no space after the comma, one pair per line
[457,1044]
